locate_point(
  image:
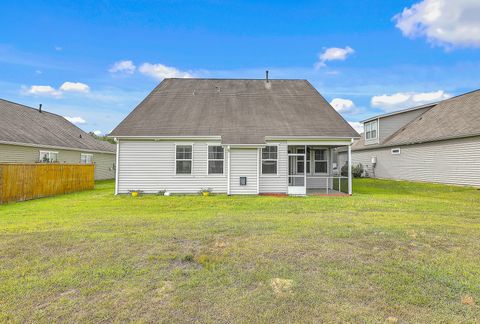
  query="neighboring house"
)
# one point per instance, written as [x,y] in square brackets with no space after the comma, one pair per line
[29,135]
[232,136]
[439,142]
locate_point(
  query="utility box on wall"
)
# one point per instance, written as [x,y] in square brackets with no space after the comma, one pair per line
[243,181]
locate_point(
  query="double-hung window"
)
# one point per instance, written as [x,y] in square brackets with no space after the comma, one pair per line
[371,130]
[215,159]
[269,160]
[320,161]
[48,157]
[86,158]
[183,159]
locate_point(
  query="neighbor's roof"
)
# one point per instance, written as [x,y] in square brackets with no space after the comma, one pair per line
[20,124]
[456,117]
[240,111]
[397,112]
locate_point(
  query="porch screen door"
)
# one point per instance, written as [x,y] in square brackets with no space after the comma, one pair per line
[296,174]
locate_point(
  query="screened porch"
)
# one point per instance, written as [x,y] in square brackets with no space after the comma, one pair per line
[313,170]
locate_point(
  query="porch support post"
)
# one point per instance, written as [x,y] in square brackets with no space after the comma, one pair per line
[117,158]
[349,169]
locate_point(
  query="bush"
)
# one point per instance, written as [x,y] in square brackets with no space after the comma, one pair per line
[357,170]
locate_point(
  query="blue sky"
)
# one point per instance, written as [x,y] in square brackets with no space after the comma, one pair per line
[94,61]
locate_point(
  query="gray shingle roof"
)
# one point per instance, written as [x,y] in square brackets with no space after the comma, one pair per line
[451,118]
[25,125]
[240,111]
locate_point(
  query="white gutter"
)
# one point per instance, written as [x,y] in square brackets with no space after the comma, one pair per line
[169,137]
[296,138]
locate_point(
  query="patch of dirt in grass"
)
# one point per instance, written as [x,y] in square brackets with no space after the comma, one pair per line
[164,291]
[468,300]
[220,244]
[282,287]
[391,319]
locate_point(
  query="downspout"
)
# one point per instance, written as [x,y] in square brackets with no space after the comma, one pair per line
[350,168]
[117,166]
[258,171]
[228,171]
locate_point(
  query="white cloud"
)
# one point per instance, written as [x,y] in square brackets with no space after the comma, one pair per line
[43,90]
[401,100]
[343,106]
[357,126]
[126,66]
[75,120]
[160,71]
[58,48]
[97,132]
[447,23]
[75,87]
[333,54]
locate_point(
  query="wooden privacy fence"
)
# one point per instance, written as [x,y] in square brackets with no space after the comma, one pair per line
[28,181]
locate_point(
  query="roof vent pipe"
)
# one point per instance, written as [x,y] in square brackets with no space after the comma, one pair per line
[40,108]
[266,76]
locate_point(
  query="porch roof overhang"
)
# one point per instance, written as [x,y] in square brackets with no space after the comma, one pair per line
[312,140]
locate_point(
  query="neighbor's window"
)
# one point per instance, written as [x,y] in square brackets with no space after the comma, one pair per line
[215,159]
[320,161]
[269,160]
[183,159]
[86,158]
[371,130]
[48,157]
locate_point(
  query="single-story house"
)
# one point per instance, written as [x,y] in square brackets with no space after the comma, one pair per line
[232,136]
[438,142]
[29,135]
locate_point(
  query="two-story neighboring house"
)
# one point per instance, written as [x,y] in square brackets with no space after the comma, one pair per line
[438,142]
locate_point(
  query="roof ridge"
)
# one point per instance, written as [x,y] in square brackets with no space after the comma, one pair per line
[234,79]
[32,108]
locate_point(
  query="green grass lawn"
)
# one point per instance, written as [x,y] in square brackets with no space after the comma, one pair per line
[395,249]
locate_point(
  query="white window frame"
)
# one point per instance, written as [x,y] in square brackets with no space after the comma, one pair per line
[315,161]
[368,130]
[208,160]
[395,151]
[86,154]
[308,159]
[262,159]
[175,159]
[49,152]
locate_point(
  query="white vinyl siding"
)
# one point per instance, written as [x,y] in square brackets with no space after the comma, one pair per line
[277,183]
[455,161]
[391,124]
[150,166]
[243,163]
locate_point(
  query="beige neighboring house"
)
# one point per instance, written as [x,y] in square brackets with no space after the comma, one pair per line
[29,135]
[439,142]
